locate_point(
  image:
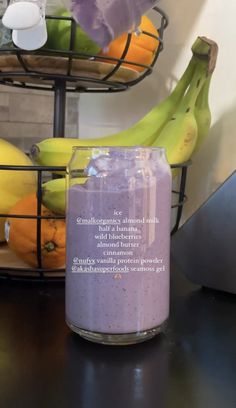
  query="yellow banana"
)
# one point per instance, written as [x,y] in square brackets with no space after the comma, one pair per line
[54,193]
[202,113]
[179,135]
[57,151]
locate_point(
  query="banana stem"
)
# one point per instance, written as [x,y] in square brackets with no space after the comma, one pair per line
[206,49]
[199,77]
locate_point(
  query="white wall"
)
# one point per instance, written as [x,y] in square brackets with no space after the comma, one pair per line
[104,114]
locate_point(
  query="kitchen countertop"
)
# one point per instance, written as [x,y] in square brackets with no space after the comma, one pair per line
[44,365]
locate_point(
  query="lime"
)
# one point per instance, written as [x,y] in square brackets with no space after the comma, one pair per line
[59,34]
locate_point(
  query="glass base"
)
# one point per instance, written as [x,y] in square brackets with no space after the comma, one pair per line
[118,339]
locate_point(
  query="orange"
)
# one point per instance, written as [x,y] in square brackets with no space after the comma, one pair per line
[22,235]
[142,47]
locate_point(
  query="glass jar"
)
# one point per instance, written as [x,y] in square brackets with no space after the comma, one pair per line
[118,243]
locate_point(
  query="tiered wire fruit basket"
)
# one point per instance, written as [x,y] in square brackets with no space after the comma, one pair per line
[62,72]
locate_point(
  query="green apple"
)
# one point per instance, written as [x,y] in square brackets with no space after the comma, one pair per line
[59,32]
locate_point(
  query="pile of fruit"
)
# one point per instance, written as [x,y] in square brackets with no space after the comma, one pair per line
[19,198]
[142,47]
[180,124]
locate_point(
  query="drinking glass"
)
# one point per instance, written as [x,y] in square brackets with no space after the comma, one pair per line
[118,243]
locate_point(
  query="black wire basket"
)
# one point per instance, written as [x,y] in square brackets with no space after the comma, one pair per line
[42,68]
[28,69]
[52,275]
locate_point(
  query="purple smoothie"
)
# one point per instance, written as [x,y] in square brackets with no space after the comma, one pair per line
[117,278]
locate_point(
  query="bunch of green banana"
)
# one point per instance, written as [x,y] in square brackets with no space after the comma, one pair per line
[179,136]
[190,124]
[58,151]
